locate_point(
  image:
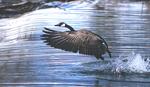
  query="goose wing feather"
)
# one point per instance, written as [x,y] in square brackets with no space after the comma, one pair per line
[76,41]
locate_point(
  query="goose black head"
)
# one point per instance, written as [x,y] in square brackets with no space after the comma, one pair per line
[61,24]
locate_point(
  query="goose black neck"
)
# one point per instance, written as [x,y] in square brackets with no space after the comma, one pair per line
[69,27]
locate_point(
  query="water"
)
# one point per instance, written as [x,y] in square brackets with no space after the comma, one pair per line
[25,60]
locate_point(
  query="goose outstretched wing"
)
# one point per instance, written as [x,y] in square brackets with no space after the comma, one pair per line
[75,41]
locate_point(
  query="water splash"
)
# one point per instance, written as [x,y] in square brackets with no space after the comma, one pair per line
[130,63]
[125,63]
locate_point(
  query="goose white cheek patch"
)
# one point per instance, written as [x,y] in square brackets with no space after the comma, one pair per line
[63,25]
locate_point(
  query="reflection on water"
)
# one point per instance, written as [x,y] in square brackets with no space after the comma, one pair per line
[25,60]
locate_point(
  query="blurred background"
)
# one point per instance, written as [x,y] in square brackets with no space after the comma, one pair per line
[26,60]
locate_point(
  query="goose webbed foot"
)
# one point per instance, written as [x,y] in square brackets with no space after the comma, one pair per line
[102,58]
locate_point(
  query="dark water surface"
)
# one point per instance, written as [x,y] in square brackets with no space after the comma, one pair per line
[25,60]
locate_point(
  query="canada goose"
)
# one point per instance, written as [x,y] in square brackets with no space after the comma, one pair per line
[82,41]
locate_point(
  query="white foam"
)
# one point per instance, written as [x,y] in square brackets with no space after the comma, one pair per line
[125,63]
[132,62]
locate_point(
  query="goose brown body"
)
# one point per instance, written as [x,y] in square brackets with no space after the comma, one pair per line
[82,41]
